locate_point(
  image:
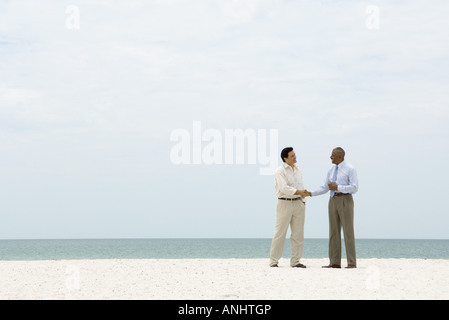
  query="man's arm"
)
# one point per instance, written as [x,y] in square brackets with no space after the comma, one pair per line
[281,181]
[323,189]
[353,184]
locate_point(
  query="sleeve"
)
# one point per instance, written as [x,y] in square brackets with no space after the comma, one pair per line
[281,181]
[353,183]
[323,189]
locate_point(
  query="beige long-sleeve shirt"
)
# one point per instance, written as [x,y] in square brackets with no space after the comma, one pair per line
[287,181]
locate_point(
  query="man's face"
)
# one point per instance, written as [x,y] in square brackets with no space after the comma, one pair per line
[291,159]
[336,157]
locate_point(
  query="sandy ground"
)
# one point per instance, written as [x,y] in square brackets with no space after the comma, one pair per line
[221,279]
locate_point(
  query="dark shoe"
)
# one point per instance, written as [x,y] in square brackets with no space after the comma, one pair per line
[274,266]
[351,266]
[335,266]
[299,265]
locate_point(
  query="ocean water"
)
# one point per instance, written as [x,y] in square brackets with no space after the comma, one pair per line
[208,248]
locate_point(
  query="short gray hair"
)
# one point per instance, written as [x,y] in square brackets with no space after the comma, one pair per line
[340,151]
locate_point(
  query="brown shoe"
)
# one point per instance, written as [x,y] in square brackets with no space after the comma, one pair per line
[335,266]
[299,265]
[274,266]
[351,266]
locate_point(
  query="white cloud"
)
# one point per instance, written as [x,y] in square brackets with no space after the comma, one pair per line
[11,96]
[105,98]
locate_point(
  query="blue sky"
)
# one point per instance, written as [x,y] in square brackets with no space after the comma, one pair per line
[87,110]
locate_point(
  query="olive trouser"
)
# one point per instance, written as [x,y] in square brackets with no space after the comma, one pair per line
[341,215]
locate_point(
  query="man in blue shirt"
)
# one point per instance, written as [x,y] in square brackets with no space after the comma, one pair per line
[341,181]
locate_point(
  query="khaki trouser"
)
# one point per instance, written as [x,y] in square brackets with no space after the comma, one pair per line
[288,213]
[341,215]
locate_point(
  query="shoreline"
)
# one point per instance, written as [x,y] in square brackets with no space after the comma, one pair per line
[223,279]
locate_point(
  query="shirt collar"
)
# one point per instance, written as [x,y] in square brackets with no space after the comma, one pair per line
[286,165]
[341,164]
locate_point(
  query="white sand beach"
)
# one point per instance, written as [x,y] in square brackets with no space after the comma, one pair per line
[220,279]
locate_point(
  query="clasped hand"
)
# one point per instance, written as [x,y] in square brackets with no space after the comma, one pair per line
[304,193]
[333,186]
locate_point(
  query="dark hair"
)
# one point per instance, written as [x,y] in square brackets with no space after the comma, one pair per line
[340,151]
[284,153]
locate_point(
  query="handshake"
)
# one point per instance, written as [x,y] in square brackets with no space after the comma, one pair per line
[304,193]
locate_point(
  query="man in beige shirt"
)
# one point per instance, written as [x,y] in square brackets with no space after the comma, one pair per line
[290,210]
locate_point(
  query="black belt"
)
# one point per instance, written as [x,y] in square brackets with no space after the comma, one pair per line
[291,199]
[339,194]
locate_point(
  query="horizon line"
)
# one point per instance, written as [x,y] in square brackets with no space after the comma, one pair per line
[204,238]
